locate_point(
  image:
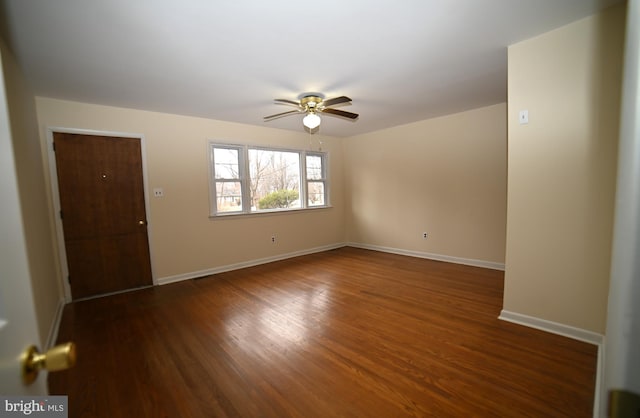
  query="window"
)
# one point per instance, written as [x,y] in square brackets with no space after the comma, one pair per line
[226,166]
[253,180]
[316,180]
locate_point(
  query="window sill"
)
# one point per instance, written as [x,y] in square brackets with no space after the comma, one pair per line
[236,215]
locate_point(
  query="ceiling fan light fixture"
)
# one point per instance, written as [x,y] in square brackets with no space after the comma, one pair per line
[311,121]
[311,105]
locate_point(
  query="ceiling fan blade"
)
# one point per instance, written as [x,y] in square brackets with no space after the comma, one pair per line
[341,113]
[287,102]
[335,101]
[279,115]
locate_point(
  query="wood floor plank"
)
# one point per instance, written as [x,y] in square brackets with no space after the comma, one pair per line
[348,332]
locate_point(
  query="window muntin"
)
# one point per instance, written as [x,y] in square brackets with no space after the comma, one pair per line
[256,179]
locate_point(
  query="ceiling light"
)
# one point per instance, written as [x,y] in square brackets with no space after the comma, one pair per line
[311,121]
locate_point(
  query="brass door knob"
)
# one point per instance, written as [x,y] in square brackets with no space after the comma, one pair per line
[60,357]
[141,222]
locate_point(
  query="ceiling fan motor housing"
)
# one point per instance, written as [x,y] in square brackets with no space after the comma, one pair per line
[311,103]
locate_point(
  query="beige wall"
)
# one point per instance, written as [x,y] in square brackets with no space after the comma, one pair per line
[562,168]
[445,176]
[43,267]
[184,239]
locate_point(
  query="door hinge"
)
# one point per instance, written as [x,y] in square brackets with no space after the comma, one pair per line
[61,215]
[69,279]
[54,146]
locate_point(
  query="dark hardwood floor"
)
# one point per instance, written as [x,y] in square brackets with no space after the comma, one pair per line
[348,332]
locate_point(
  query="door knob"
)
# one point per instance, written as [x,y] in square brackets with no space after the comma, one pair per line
[60,357]
[141,222]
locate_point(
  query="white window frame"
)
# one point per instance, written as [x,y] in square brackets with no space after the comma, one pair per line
[323,177]
[245,180]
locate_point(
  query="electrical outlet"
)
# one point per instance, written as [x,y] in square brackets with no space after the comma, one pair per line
[523,117]
[158,192]
[425,235]
[273,239]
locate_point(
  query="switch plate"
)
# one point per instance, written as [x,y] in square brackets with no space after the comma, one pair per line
[523,117]
[158,192]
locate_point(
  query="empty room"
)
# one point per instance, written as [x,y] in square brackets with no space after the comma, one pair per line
[285,209]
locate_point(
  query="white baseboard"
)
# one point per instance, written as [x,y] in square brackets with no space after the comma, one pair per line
[552,327]
[251,263]
[438,257]
[244,264]
[55,326]
[576,334]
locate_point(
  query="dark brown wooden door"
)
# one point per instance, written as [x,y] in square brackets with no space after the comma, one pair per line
[103,213]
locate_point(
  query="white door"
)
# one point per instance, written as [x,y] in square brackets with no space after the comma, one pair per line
[18,326]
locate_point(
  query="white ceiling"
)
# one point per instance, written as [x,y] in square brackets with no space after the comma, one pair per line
[399,60]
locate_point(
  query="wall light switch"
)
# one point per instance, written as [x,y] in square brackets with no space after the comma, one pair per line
[523,117]
[158,192]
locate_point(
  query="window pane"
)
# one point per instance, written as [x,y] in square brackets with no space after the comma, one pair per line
[315,190]
[275,179]
[228,196]
[226,163]
[314,167]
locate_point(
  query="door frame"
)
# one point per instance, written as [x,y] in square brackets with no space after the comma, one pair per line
[55,197]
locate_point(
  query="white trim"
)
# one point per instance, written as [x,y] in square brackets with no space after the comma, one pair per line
[244,264]
[552,327]
[117,292]
[256,262]
[55,326]
[55,195]
[599,406]
[438,257]
[569,332]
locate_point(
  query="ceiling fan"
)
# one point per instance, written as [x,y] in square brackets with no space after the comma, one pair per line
[312,104]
